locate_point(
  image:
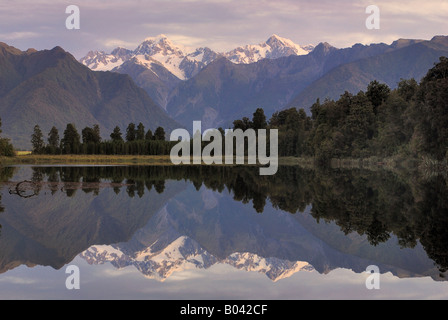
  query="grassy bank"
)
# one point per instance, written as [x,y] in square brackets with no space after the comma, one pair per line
[372,163]
[308,162]
[32,159]
[85,160]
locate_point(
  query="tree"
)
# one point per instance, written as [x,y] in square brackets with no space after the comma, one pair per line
[70,143]
[377,93]
[53,138]
[431,112]
[358,128]
[393,130]
[116,135]
[6,148]
[131,132]
[243,124]
[407,89]
[87,135]
[140,134]
[37,140]
[96,134]
[159,134]
[259,120]
[91,135]
[148,135]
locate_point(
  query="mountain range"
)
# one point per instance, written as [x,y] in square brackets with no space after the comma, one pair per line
[51,88]
[161,83]
[185,62]
[185,254]
[218,88]
[158,65]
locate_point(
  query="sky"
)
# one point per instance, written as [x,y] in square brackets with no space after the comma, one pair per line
[221,25]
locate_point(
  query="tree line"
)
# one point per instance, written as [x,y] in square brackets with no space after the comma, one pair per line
[6,148]
[136,141]
[409,121]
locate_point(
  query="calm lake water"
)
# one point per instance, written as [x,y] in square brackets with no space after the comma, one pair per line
[221,233]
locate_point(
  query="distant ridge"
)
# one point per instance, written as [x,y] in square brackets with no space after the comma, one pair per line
[51,88]
[217,88]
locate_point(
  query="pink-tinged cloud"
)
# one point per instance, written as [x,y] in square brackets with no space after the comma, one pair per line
[218,24]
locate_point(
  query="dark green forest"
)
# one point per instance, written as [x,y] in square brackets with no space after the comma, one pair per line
[6,148]
[410,121]
[135,141]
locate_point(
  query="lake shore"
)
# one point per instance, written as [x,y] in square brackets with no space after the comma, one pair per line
[309,162]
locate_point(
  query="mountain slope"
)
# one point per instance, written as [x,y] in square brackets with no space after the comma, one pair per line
[223,91]
[153,77]
[51,88]
[158,65]
[411,59]
[275,47]
[101,61]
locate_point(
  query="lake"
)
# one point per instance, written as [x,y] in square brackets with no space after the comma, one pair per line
[192,232]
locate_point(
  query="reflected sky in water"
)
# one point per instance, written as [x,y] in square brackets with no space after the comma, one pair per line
[167,233]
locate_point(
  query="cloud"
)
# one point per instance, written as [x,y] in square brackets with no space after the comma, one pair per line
[114,43]
[19,35]
[219,24]
[18,280]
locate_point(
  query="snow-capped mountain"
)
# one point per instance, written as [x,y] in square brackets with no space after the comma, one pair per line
[275,47]
[186,254]
[101,61]
[181,61]
[185,62]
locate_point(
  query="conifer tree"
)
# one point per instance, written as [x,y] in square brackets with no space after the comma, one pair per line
[159,134]
[140,134]
[116,135]
[37,140]
[131,132]
[53,138]
[70,143]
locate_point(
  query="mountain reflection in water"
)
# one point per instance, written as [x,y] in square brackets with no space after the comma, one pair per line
[165,219]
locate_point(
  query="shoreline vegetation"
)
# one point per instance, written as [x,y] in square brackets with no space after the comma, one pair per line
[426,166]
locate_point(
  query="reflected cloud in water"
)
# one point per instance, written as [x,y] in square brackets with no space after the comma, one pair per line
[168,222]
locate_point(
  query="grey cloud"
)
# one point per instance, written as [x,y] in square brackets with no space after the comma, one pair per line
[221,25]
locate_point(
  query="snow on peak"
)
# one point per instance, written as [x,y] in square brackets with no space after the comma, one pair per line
[275,47]
[183,254]
[184,62]
[181,61]
[275,38]
[101,61]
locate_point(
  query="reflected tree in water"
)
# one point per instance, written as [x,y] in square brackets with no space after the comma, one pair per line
[5,175]
[374,204]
